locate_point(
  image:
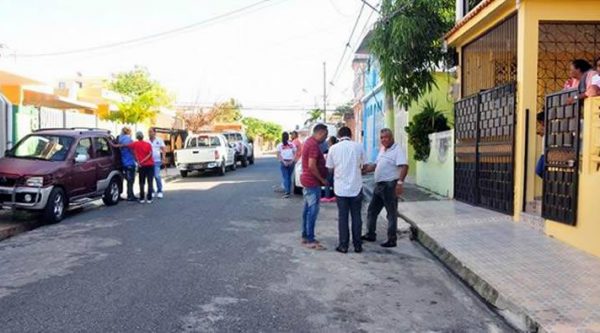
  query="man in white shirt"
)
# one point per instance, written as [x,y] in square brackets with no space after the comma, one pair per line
[345,159]
[390,169]
[158,149]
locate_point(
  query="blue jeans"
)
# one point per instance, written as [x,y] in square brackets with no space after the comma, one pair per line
[286,175]
[312,195]
[157,166]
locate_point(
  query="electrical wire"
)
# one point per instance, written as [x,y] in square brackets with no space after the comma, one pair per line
[152,37]
[347,46]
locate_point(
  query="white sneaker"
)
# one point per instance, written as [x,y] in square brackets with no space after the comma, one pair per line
[160,195]
[149,201]
[142,201]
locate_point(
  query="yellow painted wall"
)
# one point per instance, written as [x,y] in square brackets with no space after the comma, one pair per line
[586,234]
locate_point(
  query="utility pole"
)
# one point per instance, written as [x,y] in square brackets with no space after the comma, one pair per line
[324,92]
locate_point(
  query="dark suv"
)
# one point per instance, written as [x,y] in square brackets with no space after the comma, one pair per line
[52,169]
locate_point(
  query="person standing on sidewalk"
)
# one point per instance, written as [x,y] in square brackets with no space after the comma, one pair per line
[312,178]
[345,160]
[286,154]
[390,169]
[127,161]
[158,150]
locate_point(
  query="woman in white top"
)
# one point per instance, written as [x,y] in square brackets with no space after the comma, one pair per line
[286,154]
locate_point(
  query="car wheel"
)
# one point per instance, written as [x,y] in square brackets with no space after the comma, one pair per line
[234,166]
[183,173]
[251,160]
[222,169]
[244,161]
[55,208]
[112,192]
[296,189]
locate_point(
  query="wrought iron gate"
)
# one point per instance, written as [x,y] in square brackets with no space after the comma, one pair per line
[484,157]
[562,158]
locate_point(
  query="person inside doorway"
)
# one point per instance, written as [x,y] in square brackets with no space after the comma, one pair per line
[581,75]
[391,168]
[540,130]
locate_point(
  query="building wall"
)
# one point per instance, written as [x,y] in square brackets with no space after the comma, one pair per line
[5,120]
[440,95]
[437,173]
[373,122]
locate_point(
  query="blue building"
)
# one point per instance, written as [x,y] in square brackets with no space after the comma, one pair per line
[373,109]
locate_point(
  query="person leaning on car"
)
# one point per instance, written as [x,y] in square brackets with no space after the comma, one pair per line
[128,161]
[142,151]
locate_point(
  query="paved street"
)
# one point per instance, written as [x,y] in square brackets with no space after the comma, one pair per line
[222,254]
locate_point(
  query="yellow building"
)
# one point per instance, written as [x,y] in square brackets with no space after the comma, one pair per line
[513,60]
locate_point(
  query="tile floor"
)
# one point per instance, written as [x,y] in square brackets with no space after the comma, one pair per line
[555,284]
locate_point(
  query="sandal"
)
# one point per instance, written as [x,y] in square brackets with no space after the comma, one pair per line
[315,246]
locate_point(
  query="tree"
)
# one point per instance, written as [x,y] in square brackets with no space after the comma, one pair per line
[145,96]
[313,116]
[343,110]
[428,121]
[267,131]
[226,112]
[408,42]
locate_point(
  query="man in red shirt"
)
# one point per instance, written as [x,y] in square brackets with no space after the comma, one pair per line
[142,151]
[312,178]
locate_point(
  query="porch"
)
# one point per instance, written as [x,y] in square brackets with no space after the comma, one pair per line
[528,44]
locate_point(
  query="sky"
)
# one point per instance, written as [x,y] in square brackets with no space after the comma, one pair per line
[268,57]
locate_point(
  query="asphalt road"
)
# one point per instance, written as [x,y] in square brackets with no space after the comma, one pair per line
[222,254]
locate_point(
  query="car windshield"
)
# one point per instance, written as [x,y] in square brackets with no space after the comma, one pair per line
[233,137]
[208,141]
[43,147]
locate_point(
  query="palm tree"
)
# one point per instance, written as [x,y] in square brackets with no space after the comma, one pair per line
[313,116]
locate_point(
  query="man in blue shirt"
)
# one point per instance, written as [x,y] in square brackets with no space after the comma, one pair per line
[128,161]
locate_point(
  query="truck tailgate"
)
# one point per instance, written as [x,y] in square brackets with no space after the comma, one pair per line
[195,155]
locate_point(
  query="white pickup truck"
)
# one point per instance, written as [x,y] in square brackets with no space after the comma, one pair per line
[204,152]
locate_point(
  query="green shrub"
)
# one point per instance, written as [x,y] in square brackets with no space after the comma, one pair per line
[428,121]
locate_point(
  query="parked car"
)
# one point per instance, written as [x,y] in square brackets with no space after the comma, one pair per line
[52,170]
[244,148]
[204,152]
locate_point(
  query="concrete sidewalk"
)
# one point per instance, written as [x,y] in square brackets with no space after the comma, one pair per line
[537,283]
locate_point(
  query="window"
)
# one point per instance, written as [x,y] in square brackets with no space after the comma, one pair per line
[102,148]
[84,147]
[192,143]
[43,147]
[208,141]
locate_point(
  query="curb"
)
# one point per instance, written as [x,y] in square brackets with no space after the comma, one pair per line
[511,312]
[18,228]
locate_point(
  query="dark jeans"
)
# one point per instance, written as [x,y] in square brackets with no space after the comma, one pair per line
[349,206]
[384,195]
[146,176]
[129,175]
[329,189]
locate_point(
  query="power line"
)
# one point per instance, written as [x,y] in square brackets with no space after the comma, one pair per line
[151,37]
[347,46]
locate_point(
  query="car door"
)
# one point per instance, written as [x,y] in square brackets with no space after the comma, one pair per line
[230,151]
[103,156]
[83,177]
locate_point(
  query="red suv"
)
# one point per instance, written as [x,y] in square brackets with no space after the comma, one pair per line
[52,169]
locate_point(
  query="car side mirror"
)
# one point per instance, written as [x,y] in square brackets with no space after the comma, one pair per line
[81,158]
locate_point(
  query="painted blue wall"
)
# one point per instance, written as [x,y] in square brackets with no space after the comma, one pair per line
[373,115]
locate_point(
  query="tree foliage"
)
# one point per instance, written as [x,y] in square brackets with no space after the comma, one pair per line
[428,121]
[268,131]
[408,43]
[145,96]
[225,112]
[313,116]
[343,110]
